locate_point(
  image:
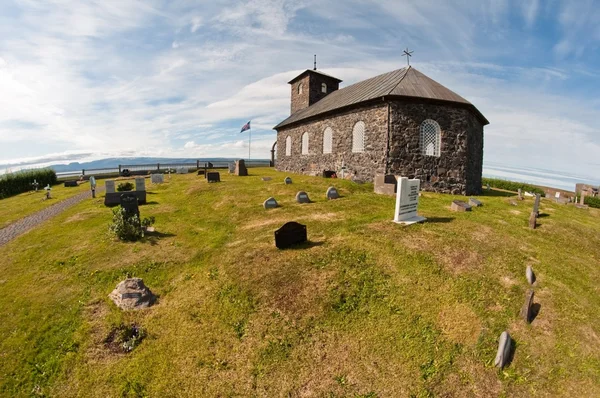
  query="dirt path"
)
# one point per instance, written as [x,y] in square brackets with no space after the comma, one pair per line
[25,224]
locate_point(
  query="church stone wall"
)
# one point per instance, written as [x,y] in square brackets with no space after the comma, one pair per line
[458,168]
[359,166]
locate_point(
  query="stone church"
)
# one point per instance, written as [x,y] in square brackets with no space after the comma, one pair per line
[401,122]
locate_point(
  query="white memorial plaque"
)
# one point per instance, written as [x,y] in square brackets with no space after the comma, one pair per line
[407,200]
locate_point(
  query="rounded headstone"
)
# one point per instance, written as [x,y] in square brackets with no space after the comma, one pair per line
[270,203]
[287,180]
[132,294]
[332,193]
[302,197]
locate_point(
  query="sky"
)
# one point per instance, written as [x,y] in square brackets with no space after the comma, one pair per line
[82,80]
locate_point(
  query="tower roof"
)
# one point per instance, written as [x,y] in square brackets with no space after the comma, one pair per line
[318,72]
[406,83]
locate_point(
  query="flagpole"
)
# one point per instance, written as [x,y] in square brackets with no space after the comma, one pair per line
[249,142]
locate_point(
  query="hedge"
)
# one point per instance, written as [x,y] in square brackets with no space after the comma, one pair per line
[512,185]
[592,202]
[19,182]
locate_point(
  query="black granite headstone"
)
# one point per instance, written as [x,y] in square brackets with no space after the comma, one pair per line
[129,203]
[213,176]
[289,234]
[72,183]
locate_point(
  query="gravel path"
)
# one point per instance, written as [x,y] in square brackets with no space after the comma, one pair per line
[25,224]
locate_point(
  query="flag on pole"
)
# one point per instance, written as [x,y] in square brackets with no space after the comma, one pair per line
[245,127]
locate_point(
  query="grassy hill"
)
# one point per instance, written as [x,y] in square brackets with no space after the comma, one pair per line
[367,309]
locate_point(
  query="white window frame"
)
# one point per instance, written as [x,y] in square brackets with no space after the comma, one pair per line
[430,138]
[300,88]
[324,88]
[358,137]
[305,140]
[328,140]
[288,146]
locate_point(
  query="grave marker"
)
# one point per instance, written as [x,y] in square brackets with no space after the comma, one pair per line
[520,194]
[536,204]
[270,203]
[213,176]
[459,205]
[474,202]
[332,193]
[129,203]
[157,178]
[71,183]
[532,220]
[407,201]
[110,186]
[231,168]
[132,294]
[93,186]
[530,275]
[526,311]
[290,234]
[266,178]
[503,354]
[140,184]
[287,180]
[302,197]
[240,168]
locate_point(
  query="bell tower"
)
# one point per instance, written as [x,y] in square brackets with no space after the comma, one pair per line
[311,86]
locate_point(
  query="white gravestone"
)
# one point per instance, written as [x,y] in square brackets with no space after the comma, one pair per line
[110,186]
[140,184]
[407,200]
[157,178]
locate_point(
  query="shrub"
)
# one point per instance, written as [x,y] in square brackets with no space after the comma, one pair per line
[19,182]
[511,185]
[592,202]
[125,186]
[128,228]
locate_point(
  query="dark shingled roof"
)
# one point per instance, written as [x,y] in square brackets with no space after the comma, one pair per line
[405,82]
[306,72]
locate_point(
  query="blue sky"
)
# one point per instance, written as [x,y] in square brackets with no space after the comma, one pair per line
[91,79]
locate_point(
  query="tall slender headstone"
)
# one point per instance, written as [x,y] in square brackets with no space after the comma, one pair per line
[536,204]
[527,310]
[520,193]
[140,184]
[407,201]
[504,346]
[93,186]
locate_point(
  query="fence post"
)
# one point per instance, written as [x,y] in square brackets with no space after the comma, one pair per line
[157,166]
[83,172]
[119,169]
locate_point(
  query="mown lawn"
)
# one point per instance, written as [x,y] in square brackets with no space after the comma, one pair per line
[367,309]
[19,206]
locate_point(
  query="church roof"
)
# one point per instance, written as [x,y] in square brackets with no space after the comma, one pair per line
[406,82]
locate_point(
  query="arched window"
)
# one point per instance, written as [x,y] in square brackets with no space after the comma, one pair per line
[327,140]
[300,88]
[305,144]
[358,137]
[324,88]
[431,137]
[288,146]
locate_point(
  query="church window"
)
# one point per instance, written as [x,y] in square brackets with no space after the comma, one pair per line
[431,137]
[328,140]
[288,146]
[305,144]
[300,88]
[324,88]
[358,137]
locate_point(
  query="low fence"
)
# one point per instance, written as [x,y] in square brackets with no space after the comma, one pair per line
[144,169]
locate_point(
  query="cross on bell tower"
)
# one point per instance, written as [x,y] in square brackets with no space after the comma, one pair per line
[407,54]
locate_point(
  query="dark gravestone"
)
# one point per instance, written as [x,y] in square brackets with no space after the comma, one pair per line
[474,202]
[289,234]
[240,168]
[329,174]
[287,180]
[332,193]
[209,165]
[459,205]
[213,176]
[126,173]
[270,203]
[72,183]
[129,203]
[302,197]
[526,311]
[201,173]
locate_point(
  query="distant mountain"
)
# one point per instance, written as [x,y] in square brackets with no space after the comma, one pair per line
[115,162]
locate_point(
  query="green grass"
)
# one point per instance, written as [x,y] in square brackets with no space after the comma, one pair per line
[19,206]
[367,309]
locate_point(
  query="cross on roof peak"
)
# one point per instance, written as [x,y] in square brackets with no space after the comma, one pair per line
[407,54]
